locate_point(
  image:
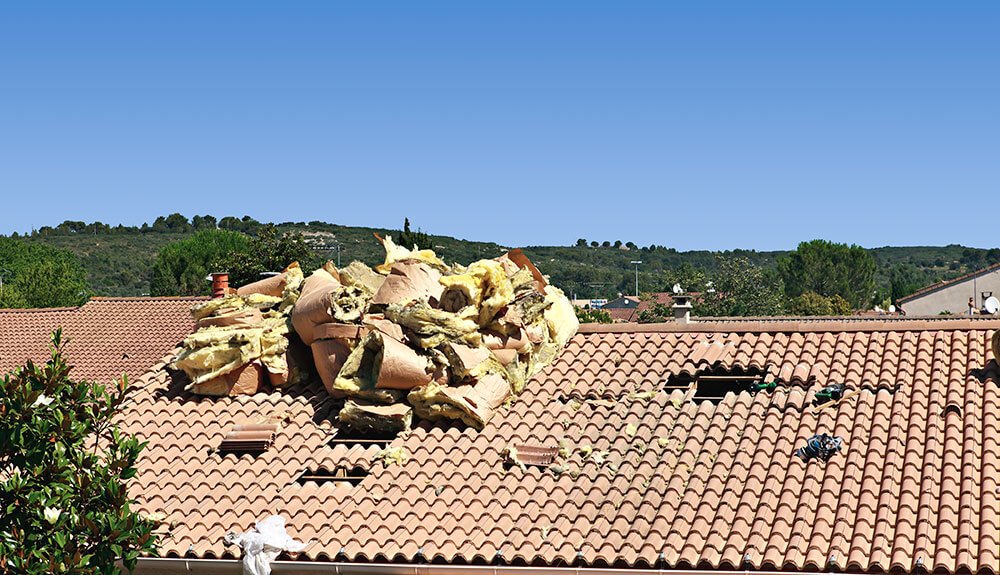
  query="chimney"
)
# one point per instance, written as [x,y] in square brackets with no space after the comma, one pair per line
[220,284]
[682,308]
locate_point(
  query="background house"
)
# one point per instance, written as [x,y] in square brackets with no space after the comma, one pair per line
[952,296]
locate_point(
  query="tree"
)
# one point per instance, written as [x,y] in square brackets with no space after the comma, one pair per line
[904,279]
[205,222]
[740,288]
[829,269]
[267,251]
[811,303]
[690,278]
[410,239]
[181,266]
[592,315]
[64,490]
[38,275]
[594,244]
[737,288]
[581,243]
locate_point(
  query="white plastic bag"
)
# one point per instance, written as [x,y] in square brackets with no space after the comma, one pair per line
[263,544]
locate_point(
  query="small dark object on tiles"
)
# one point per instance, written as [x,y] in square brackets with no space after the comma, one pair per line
[820,446]
[832,392]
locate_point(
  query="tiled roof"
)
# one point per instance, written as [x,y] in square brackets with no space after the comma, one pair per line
[107,336]
[682,484]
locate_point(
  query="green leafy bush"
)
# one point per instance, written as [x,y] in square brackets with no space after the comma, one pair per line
[64,505]
[36,275]
[592,315]
[182,266]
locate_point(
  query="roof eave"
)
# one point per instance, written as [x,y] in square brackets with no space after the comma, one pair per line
[167,566]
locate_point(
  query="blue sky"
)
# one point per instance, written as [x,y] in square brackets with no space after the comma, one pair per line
[696,125]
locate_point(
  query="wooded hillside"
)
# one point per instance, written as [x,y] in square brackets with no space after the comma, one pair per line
[119,259]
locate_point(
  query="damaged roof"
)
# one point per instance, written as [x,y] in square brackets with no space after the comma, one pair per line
[107,336]
[647,477]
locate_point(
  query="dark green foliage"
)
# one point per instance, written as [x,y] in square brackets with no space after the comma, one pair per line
[904,279]
[204,222]
[182,266]
[592,315]
[412,239]
[737,287]
[828,269]
[119,259]
[740,288]
[64,505]
[36,275]
[269,250]
[811,303]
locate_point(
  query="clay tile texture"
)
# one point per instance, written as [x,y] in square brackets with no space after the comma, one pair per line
[648,477]
[107,337]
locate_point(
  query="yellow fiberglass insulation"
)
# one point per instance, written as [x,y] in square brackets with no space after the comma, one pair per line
[395,253]
[413,336]
[484,286]
[237,331]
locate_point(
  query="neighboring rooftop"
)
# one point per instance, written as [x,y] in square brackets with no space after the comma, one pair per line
[107,336]
[678,481]
[943,284]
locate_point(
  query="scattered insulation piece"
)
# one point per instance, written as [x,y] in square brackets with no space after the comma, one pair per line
[392,456]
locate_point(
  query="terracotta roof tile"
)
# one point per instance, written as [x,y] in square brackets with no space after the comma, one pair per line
[107,336]
[677,482]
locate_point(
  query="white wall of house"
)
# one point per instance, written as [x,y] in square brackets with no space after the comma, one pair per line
[954,297]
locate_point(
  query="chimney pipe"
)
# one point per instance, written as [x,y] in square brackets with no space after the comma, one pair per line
[220,284]
[682,308]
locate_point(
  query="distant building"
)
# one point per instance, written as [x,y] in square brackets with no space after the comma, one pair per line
[626,309]
[952,296]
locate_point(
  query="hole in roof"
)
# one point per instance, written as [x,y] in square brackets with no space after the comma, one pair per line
[953,408]
[340,476]
[714,383]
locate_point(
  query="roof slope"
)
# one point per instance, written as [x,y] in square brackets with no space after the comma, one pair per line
[945,283]
[684,484]
[107,336]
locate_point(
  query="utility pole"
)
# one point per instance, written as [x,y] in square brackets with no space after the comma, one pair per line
[636,264]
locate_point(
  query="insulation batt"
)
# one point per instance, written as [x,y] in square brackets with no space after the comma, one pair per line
[414,336]
[242,331]
[459,341]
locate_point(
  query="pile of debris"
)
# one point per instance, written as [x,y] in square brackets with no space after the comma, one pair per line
[242,339]
[414,336]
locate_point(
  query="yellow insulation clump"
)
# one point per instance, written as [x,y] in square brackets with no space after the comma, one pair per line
[413,336]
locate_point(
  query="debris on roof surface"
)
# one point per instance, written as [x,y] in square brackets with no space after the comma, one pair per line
[412,336]
[241,341]
[263,544]
[822,446]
